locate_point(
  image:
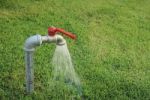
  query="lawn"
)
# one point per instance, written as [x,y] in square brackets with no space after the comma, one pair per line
[111,53]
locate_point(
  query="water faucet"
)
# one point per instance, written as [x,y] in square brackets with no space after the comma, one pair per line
[35,41]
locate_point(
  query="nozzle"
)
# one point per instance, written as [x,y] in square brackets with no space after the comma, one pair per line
[60,40]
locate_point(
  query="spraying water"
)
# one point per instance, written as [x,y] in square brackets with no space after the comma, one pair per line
[63,68]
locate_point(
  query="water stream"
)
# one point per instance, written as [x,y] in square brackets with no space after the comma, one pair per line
[64,71]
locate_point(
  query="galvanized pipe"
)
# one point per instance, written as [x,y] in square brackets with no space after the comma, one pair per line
[29,71]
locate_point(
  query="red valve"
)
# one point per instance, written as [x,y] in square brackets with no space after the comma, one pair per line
[53,30]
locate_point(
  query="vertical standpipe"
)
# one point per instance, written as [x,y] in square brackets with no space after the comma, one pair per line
[29,71]
[29,48]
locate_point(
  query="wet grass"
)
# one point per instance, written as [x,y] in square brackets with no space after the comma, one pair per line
[111,54]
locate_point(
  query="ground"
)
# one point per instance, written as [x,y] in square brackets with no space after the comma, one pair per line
[111,53]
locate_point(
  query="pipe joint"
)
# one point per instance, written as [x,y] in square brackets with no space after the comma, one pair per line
[32,42]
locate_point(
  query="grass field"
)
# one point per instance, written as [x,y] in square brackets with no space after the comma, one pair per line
[111,54]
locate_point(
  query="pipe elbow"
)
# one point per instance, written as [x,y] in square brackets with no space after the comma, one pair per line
[32,42]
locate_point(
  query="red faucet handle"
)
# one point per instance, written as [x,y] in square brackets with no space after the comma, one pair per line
[53,30]
[72,36]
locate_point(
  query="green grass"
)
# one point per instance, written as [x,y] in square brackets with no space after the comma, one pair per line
[111,54]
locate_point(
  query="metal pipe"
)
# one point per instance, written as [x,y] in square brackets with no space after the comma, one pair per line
[29,48]
[29,71]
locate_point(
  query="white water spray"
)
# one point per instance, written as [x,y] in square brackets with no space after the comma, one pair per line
[63,67]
